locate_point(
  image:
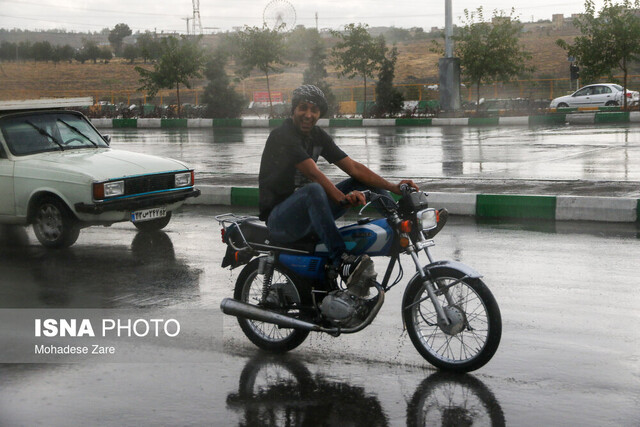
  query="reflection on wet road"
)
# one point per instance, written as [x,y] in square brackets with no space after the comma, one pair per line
[564,152]
[281,391]
[145,273]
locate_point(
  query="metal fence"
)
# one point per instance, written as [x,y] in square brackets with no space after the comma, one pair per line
[534,89]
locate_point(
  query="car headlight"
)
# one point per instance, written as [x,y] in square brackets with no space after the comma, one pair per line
[427,219]
[184,179]
[103,190]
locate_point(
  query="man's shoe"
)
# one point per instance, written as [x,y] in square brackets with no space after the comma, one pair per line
[353,267]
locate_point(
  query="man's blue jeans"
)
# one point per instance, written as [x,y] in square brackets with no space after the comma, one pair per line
[309,211]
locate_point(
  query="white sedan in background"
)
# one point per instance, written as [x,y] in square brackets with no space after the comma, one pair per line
[597,95]
[58,173]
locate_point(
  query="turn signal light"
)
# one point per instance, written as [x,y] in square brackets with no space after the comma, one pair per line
[404,241]
[405,226]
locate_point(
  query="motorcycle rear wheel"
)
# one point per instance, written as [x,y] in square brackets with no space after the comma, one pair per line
[466,346]
[268,336]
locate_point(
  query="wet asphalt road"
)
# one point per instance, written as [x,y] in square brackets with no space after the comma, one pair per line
[565,160]
[569,353]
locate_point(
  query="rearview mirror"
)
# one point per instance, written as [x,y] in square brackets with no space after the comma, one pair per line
[107,139]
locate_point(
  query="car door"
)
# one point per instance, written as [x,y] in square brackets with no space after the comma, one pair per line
[7,201]
[582,97]
[600,95]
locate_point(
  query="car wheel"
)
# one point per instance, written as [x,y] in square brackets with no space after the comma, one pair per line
[154,224]
[54,224]
[563,105]
[611,104]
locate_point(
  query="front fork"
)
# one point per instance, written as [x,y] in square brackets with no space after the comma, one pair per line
[428,283]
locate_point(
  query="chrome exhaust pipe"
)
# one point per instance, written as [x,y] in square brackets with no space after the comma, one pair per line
[237,308]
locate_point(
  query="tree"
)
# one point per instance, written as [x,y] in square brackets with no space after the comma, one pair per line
[117,35]
[317,73]
[62,53]
[358,54]
[130,52]
[490,51]
[149,46]
[221,99]
[389,101]
[260,48]
[181,60]
[89,50]
[42,51]
[609,41]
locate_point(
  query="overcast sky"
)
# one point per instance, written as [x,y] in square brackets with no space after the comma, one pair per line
[217,15]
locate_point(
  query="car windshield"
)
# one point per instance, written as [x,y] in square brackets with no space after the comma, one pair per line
[618,87]
[40,132]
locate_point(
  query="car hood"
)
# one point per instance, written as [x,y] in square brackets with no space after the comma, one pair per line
[104,163]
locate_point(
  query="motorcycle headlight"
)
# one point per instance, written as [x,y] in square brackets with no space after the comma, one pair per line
[427,219]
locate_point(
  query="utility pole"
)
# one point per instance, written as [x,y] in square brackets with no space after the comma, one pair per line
[449,66]
[188,18]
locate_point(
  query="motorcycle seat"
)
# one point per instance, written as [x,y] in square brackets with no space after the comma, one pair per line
[257,235]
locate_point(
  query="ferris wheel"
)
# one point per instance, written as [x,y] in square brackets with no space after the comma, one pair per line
[279,15]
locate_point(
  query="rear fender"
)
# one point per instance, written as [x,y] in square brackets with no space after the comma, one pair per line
[233,258]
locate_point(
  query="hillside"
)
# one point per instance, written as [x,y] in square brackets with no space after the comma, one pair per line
[118,79]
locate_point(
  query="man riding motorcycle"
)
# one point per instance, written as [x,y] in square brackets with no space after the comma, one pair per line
[297,199]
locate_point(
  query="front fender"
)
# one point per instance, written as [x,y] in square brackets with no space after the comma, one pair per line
[468,271]
[462,269]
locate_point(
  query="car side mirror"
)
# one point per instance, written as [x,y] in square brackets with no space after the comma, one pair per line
[107,139]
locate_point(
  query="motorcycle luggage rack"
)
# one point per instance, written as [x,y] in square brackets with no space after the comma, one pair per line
[229,219]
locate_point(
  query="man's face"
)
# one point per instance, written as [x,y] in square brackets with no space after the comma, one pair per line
[305,116]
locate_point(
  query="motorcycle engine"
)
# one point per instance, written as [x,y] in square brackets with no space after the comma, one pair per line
[348,307]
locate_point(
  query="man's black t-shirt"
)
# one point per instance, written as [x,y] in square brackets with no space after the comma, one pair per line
[286,147]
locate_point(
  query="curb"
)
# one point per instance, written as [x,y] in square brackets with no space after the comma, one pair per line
[554,208]
[558,117]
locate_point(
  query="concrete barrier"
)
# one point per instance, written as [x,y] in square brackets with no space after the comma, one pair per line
[255,123]
[378,122]
[607,209]
[102,123]
[558,208]
[514,121]
[199,123]
[581,118]
[149,123]
[456,203]
[212,195]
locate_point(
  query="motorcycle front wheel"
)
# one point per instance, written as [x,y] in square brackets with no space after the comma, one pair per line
[473,334]
[282,296]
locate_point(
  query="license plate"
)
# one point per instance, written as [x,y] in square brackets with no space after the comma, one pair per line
[148,214]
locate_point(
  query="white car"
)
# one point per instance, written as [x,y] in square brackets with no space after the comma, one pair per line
[58,173]
[602,94]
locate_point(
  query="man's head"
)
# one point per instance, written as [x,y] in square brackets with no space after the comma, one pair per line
[308,104]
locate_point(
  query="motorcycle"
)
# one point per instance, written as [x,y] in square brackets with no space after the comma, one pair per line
[285,290]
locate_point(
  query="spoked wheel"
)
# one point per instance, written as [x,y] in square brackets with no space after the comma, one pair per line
[282,296]
[54,225]
[473,334]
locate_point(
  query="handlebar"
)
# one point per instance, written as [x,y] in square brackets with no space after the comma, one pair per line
[367,197]
[406,189]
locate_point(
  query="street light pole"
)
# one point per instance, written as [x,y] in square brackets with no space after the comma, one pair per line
[448,29]
[449,67]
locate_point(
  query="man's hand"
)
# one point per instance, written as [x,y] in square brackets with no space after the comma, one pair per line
[355,198]
[405,181]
